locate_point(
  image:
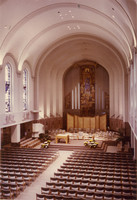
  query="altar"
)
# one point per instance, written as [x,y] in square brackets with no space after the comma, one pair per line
[64,136]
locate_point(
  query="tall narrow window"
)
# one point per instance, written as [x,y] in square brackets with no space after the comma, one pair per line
[25,89]
[8,88]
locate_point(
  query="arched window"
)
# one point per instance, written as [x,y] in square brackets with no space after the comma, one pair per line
[25,89]
[8,86]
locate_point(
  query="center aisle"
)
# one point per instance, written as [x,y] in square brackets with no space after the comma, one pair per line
[35,187]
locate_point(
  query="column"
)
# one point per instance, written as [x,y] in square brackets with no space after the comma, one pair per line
[15,134]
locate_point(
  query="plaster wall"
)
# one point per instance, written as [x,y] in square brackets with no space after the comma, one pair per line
[17,115]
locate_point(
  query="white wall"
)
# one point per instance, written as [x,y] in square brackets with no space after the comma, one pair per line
[133,95]
[16,116]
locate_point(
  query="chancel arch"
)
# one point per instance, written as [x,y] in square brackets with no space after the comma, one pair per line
[51,82]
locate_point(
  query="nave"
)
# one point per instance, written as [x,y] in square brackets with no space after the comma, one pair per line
[80,174]
[68,70]
[93,175]
[21,167]
[35,187]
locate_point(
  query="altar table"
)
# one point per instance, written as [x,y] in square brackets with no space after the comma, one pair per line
[62,136]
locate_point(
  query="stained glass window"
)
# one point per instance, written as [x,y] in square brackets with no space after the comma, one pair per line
[8,88]
[25,89]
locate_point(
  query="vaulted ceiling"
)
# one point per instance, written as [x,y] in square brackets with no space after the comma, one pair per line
[66,31]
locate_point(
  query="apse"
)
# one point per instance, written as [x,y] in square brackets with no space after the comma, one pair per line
[86,89]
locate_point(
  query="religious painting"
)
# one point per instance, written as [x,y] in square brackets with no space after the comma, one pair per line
[87,90]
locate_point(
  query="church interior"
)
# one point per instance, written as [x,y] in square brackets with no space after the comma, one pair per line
[68,99]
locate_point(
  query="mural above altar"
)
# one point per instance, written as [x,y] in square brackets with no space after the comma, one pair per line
[87,90]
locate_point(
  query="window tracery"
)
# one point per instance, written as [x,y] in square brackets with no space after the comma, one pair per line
[25,89]
[8,88]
